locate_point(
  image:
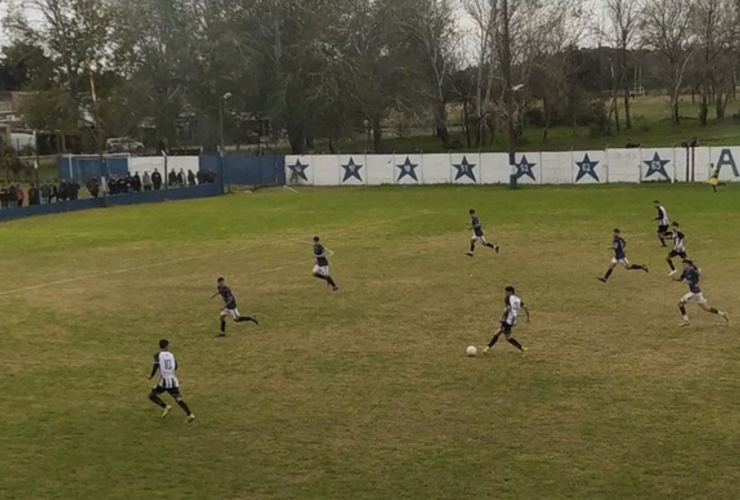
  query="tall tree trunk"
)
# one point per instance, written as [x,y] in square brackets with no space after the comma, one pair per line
[297,138]
[615,107]
[377,134]
[627,115]
[440,123]
[506,70]
[704,106]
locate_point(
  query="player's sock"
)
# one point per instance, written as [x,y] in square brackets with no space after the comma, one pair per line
[670,263]
[515,344]
[184,406]
[683,311]
[490,245]
[714,311]
[608,273]
[635,267]
[493,341]
[331,281]
[243,319]
[472,247]
[157,401]
[223,325]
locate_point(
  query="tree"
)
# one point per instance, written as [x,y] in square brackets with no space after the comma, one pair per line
[623,22]
[74,36]
[715,28]
[666,28]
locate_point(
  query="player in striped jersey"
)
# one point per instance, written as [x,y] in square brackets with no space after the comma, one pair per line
[679,247]
[166,364]
[662,219]
[513,307]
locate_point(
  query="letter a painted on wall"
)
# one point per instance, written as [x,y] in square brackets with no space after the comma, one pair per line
[726,158]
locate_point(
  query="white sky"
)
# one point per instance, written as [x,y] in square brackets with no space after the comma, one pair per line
[596,7]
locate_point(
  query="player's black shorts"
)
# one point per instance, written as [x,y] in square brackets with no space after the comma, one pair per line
[505,327]
[662,229]
[172,391]
[675,254]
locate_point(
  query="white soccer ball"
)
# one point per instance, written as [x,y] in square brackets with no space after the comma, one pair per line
[471,351]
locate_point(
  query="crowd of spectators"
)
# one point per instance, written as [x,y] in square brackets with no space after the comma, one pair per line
[13,195]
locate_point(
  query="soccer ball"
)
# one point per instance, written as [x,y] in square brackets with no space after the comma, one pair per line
[471,351]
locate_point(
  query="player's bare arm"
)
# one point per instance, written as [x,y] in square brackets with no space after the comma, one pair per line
[526,311]
[155,369]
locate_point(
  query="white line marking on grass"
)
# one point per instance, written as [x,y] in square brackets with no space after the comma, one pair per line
[290,189]
[177,261]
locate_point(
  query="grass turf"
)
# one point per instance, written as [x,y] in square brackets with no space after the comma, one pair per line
[366,393]
[651,128]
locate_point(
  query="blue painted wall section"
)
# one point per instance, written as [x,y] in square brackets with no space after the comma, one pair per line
[248,169]
[81,168]
[186,193]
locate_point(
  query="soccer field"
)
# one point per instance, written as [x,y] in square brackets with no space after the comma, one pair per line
[366,393]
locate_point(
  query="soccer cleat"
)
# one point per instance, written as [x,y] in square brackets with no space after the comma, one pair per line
[672,273]
[335,288]
[190,418]
[485,351]
[496,248]
[603,280]
[525,351]
[685,323]
[724,315]
[254,320]
[166,411]
[645,268]
[469,254]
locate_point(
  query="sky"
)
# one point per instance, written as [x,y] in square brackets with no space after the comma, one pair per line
[597,7]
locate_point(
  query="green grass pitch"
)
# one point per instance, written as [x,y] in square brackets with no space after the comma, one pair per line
[366,393]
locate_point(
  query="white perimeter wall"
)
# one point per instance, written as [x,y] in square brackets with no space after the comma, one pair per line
[143,164]
[570,167]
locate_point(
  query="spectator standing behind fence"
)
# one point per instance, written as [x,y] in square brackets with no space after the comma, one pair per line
[32,195]
[136,182]
[181,178]
[156,179]
[3,197]
[146,181]
[93,186]
[45,193]
[21,195]
[191,178]
[172,179]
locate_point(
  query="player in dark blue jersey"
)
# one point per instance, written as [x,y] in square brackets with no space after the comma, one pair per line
[692,275]
[478,235]
[230,308]
[620,257]
[321,267]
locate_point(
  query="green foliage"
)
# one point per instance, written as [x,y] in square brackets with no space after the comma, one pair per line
[598,119]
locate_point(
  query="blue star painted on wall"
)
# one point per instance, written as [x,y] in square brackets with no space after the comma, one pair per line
[408,169]
[465,169]
[351,169]
[587,167]
[299,170]
[525,168]
[657,166]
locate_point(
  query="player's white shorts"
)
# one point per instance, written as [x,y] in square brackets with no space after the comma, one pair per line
[321,270]
[624,261]
[480,239]
[234,313]
[694,298]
